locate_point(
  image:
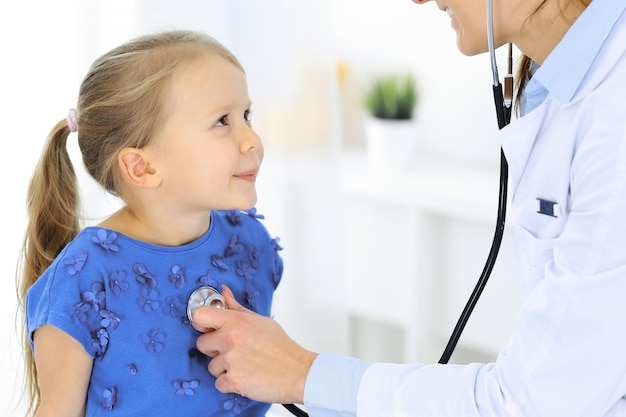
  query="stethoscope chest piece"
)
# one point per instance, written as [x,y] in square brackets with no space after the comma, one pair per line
[204,296]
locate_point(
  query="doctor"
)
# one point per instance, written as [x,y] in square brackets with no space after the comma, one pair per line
[567,167]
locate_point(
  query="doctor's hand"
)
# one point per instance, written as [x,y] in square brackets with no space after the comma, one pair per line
[251,354]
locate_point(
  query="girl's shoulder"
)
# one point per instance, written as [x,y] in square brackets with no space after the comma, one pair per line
[90,244]
[241,222]
[236,218]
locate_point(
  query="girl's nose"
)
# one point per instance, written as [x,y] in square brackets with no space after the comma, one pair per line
[251,140]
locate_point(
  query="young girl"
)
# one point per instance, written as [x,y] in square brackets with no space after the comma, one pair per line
[163,122]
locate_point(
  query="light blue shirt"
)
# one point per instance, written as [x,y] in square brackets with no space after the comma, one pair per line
[332,385]
[586,37]
[554,255]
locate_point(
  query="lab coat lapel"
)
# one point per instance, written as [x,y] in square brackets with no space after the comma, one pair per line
[517,140]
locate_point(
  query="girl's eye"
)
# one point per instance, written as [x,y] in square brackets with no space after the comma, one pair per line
[223,121]
[248,115]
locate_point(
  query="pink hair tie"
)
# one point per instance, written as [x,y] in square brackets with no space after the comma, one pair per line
[71,121]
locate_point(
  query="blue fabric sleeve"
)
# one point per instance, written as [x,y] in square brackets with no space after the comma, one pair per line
[332,385]
[55,299]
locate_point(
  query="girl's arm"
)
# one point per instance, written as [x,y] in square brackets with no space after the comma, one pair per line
[63,371]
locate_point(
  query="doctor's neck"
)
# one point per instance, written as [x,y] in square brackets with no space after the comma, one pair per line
[545,28]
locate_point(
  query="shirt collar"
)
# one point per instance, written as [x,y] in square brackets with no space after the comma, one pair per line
[576,52]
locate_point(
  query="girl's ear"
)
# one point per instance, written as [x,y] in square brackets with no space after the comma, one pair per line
[137,169]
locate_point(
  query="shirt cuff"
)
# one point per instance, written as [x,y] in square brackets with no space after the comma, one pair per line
[332,385]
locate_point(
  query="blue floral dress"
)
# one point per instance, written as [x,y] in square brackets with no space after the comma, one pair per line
[125,301]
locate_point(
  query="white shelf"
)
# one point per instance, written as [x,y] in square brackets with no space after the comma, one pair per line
[434,185]
[415,242]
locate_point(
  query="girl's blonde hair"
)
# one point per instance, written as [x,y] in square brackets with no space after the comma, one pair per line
[121,103]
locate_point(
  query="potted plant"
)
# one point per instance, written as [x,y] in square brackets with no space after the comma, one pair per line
[392,97]
[390,129]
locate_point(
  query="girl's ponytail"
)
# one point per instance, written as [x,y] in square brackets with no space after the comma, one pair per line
[53,221]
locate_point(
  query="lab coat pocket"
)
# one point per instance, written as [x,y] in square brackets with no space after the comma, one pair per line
[542,218]
[531,255]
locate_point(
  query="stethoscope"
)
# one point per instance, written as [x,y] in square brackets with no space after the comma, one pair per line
[503,101]
[204,296]
[209,296]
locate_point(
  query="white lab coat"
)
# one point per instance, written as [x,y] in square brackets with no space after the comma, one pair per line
[567,356]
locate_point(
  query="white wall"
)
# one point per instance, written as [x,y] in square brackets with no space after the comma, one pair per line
[292,51]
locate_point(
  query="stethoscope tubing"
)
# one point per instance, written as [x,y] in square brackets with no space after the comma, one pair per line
[503,114]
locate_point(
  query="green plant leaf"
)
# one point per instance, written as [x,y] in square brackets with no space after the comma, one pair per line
[392,97]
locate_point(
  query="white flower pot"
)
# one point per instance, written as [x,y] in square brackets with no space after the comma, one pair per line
[390,144]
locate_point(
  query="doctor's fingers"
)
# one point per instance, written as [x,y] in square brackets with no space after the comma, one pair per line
[268,367]
[215,338]
[217,366]
[229,381]
[206,319]
[231,302]
[207,343]
[228,330]
[225,382]
[239,370]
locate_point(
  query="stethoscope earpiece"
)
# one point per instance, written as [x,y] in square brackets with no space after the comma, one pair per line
[205,296]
